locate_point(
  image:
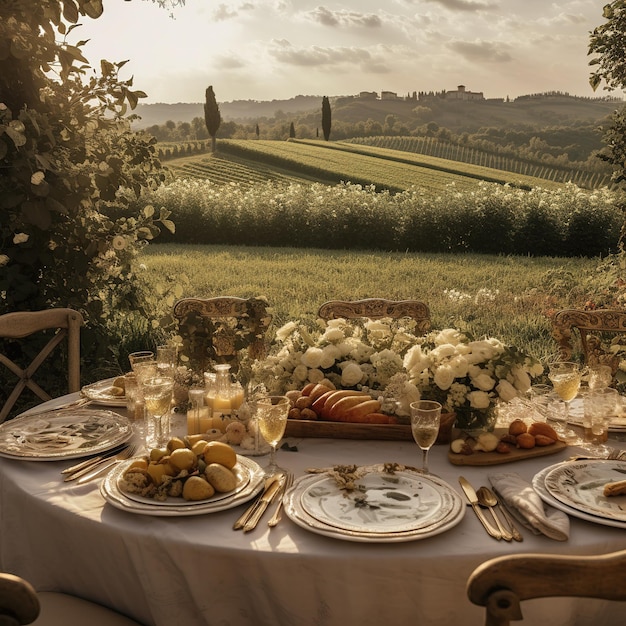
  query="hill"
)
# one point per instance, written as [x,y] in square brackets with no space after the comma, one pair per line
[534,111]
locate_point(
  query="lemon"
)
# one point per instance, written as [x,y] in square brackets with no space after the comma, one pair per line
[175,443]
[141,463]
[156,454]
[219,452]
[182,459]
[198,447]
[197,488]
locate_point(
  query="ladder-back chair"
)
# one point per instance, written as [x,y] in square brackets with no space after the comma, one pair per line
[64,324]
[216,329]
[377,308]
[500,584]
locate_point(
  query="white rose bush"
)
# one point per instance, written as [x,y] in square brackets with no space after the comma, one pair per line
[469,377]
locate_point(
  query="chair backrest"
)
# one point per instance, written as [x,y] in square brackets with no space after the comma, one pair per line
[217,329]
[500,584]
[66,325]
[377,308]
[18,601]
[590,326]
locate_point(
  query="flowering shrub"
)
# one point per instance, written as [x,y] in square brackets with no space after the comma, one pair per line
[466,376]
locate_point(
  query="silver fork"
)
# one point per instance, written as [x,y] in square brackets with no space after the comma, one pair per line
[276,517]
[95,469]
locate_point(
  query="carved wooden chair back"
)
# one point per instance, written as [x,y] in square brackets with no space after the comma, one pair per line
[63,324]
[377,308]
[20,604]
[588,330]
[500,584]
[215,330]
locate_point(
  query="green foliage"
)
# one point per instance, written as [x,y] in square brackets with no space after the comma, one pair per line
[212,116]
[74,176]
[491,219]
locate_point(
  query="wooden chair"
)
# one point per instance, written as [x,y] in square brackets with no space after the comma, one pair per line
[500,584]
[65,324]
[21,604]
[377,308]
[216,329]
[589,327]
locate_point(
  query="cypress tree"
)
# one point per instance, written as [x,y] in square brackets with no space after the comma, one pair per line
[326,123]
[212,116]
[292,131]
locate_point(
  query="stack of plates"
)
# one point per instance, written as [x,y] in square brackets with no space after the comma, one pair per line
[66,434]
[250,480]
[576,487]
[617,423]
[384,507]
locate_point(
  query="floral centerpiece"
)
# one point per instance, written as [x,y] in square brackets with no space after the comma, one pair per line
[350,354]
[469,377]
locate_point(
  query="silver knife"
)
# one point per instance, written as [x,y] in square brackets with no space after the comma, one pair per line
[245,516]
[266,499]
[470,493]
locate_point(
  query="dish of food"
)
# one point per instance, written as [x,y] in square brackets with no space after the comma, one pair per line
[105,392]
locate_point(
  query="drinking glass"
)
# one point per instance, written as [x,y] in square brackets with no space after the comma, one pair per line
[600,406]
[565,377]
[272,412]
[425,418]
[600,377]
[166,359]
[157,395]
[140,357]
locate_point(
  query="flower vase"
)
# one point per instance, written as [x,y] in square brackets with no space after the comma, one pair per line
[471,420]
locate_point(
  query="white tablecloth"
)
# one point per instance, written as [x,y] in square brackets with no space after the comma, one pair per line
[197,570]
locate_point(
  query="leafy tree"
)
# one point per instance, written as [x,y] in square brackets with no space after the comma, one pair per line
[212,117]
[607,43]
[326,118]
[72,174]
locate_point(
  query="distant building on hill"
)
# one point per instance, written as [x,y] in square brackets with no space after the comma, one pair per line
[388,95]
[462,94]
[368,95]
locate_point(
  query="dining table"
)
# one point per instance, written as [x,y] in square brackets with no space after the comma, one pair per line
[197,570]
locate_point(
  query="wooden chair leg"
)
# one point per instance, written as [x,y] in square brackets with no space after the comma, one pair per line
[502,606]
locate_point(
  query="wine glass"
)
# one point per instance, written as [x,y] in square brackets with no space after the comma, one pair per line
[166,358]
[425,417]
[271,413]
[142,356]
[565,377]
[157,395]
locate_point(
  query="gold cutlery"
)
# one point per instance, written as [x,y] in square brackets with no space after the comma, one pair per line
[94,470]
[92,461]
[241,522]
[509,520]
[473,500]
[277,515]
[487,498]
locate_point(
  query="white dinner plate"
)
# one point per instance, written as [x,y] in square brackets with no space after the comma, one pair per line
[617,423]
[403,506]
[580,485]
[242,471]
[67,434]
[100,393]
[539,485]
[112,494]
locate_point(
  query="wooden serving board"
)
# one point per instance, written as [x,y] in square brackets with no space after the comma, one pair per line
[495,458]
[348,430]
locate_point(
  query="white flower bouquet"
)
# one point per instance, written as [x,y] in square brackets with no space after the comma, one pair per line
[469,377]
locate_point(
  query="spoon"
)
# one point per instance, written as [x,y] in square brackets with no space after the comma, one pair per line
[488,499]
[516,533]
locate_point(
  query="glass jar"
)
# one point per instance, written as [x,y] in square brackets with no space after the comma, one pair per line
[198,415]
[223,396]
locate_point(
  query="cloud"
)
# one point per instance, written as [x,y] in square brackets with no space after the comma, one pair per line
[327,17]
[482,51]
[465,5]
[229,63]
[225,12]
[366,60]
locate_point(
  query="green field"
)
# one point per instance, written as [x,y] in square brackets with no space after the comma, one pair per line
[250,161]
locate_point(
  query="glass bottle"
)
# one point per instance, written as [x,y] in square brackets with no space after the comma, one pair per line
[224,397]
[197,416]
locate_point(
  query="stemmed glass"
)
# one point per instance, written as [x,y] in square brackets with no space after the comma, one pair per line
[425,418]
[565,377]
[271,414]
[157,395]
[166,359]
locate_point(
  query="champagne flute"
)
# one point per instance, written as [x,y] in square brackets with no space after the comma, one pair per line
[271,413]
[157,395]
[566,377]
[425,418]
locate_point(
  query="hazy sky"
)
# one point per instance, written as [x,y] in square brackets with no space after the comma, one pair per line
[277,49]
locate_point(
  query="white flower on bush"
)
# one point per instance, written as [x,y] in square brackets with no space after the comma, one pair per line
[449,335]
[351,374]
[378,331]
[506,391]
[480,378]
[521,379]
[459,366]
[316,376]
[284,331]
[481,351]
[415,361]
[4,259]
[312,357]
[301,372]
[333,335]
[20,238]
[37,178]
[479,399]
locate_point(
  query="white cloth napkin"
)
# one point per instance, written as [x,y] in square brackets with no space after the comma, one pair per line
[532,511]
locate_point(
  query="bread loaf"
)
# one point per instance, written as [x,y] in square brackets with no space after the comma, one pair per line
[615,489]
